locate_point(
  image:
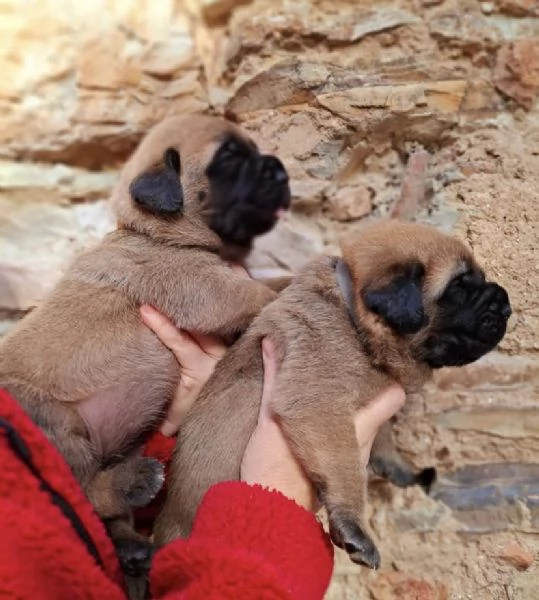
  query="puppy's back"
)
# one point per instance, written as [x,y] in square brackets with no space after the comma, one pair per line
[54,346]
[318,353]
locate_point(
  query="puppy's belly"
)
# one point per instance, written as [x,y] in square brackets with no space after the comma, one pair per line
[117,416]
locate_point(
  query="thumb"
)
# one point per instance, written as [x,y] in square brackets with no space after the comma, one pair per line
[269,361]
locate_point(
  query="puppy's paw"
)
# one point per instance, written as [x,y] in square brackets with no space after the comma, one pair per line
[135,556]
[398,474]
[426,478]
[403,476]
[345,533]
[148,479]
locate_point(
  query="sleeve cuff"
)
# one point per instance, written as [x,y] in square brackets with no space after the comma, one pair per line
[241,528]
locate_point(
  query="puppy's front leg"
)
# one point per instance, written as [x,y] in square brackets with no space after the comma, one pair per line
[210,299]
[332,463]
[386,461]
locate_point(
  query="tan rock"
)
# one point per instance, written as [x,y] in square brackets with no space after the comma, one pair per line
[514,554]
[413,189]
[307,192]
[43,183]
[288,246]
[405,111]
[493,420]
[294,82]
[350,204]
[109,63]
[516,73]
[360,23]
[466,30]
[342,92]
[91,91]
[399,586]
[36,242]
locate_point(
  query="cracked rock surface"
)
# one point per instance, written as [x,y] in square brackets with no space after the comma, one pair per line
[424,108]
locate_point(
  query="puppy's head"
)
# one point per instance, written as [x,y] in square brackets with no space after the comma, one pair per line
[202,171]
[416,285]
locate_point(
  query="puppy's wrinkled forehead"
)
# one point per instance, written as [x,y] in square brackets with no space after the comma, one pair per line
[195,137]
[380,250]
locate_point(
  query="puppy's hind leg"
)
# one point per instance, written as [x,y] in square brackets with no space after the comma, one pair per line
[132,483]
[113,492]
[62,425]
[332,463]
[387,462]
[134,551]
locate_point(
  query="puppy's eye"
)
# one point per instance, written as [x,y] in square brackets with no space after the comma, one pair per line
[231,147]
[470,277]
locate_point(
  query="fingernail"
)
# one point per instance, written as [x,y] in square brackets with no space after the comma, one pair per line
[267,350]
[168,429]
[146,310]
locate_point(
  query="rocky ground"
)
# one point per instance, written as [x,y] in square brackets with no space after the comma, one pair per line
[422,107]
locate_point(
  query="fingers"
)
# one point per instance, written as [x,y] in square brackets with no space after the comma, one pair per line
[270,369]
[188,349]
[268,459]
[171,424]
[209,344]
[370,418]
[169,335]
[197,355]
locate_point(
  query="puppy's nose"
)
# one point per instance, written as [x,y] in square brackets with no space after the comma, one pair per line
[507,311]
[274,169]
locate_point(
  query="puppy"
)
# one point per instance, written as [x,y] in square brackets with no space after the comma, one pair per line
[404,299]
[196,192]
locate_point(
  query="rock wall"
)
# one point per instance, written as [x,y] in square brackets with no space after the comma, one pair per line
[363,101]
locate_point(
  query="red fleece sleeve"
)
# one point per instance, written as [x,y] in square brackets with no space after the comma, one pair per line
[247,544]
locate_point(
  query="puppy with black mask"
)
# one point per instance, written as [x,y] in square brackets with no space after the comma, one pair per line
[403,300]
[84,367]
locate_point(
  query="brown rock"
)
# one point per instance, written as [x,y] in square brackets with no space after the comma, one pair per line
[518,8]
[516,73]
[349,204]
[514,554]
[213,10]
[355,26]
[400,586]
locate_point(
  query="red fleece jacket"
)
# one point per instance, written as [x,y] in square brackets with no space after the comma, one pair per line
[247,543]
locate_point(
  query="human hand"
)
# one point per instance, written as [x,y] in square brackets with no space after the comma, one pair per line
[197,355]
[268,460]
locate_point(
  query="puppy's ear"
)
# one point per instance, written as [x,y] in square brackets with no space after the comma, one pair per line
[400,303]
[159,191]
